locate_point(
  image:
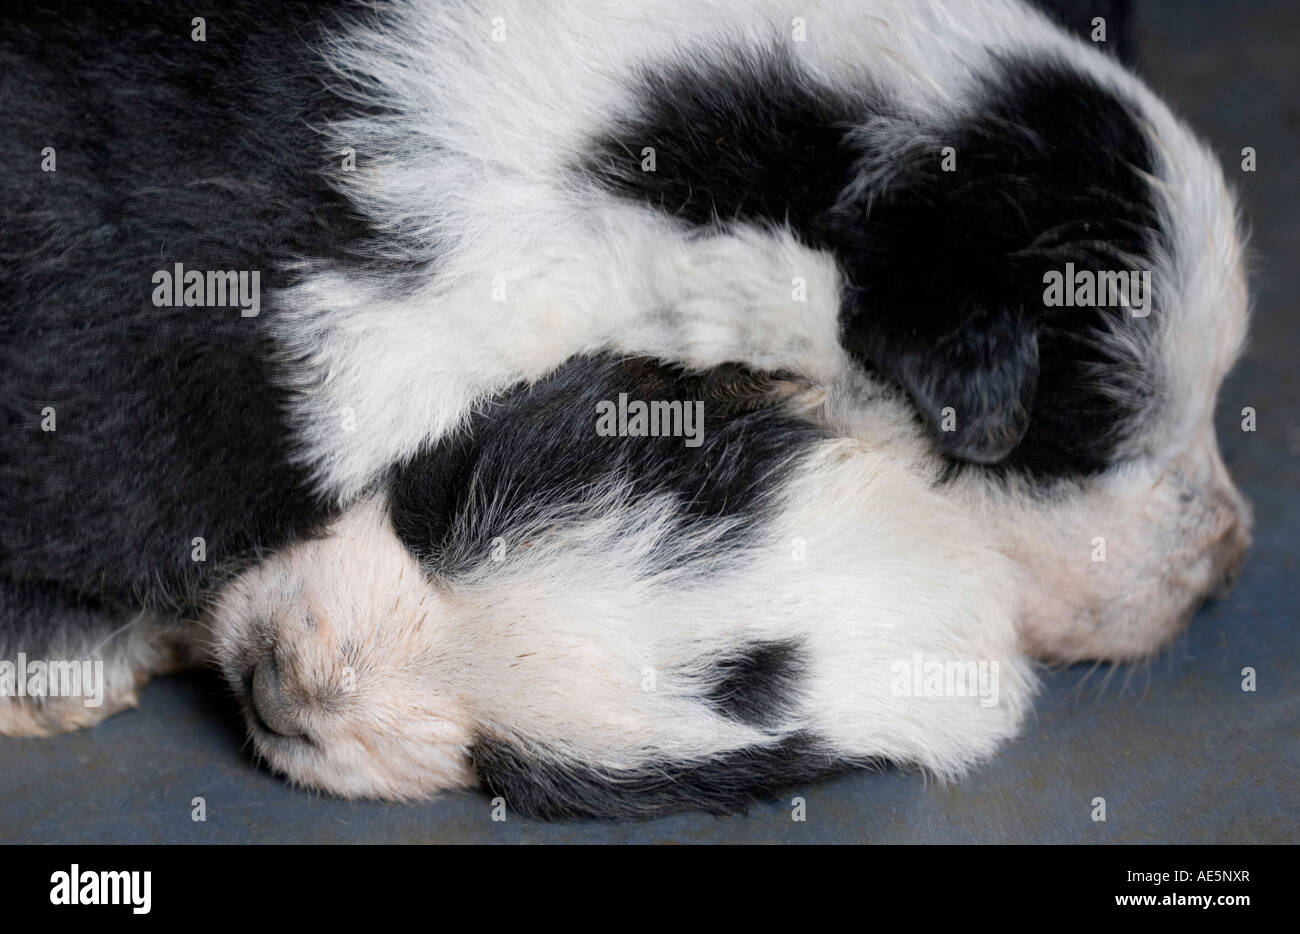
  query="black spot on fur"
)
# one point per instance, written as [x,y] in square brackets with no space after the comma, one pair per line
[944,270]
[533,459]
[538,784]
[757,684]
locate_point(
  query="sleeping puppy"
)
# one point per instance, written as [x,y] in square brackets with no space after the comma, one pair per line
[677,609]
[259,260]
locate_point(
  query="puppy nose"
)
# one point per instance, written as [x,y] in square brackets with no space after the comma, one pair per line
[273,708]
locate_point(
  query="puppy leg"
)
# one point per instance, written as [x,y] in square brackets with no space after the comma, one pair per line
[66,663]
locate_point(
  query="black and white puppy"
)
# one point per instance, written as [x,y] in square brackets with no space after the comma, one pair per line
[266,267]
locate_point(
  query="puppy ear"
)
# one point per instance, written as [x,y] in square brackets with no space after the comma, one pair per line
[972,379]
[975,386]
[946,242]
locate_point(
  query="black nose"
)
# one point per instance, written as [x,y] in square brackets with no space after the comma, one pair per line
[273,708]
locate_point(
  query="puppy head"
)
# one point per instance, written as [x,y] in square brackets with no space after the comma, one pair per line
[1118,505]
[340,683]
[1064,304]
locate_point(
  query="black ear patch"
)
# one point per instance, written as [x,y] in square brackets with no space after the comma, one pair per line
[944,269]
[974,387]
[948,262]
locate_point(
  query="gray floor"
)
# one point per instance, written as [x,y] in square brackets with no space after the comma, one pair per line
[1177,749]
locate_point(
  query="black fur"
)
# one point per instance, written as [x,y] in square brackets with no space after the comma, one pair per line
[535,455]
[944,269]
[758,684]
[169,421]
[539,784]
